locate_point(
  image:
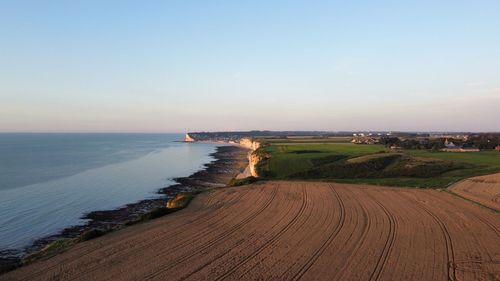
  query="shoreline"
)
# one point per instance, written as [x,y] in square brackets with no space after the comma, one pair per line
[224,233]
[228,161]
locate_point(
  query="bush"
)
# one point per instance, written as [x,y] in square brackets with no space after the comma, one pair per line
[411,167]
[155,213]
[262,167]
[370,167]
[51,249]
[180,201]
[328,159]
[91,234]
[245,181]
[305,151]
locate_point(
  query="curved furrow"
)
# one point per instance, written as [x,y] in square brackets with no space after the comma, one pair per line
[489,224]
[169,233]
[301,221]
[480,248]
[224,253]
[416,209]
[132,253]
[328,241]
[294,230]
[270,241]
[486,222]
[220,238]
[327,221]
[130,250]
[391,237]
[450,254]
[360,242]
[206,231]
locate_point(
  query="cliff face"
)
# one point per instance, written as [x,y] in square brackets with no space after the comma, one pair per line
[250,143]
[253,160]
[253,157]
[188,138]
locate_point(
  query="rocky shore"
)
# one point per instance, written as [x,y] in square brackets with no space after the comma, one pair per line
[228,162]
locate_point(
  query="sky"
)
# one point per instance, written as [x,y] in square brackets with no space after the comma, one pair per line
[177,66]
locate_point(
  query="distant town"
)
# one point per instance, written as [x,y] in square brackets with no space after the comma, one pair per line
[442,141]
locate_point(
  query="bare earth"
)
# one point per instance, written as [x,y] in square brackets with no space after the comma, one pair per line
[291,231]
[485,190]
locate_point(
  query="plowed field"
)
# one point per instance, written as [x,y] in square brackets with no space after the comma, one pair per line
[295,231]
[484,190]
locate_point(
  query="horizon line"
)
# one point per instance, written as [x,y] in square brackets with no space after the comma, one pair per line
[237,131]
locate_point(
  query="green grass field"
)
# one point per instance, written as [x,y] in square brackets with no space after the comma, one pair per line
[308,140]
[372,164]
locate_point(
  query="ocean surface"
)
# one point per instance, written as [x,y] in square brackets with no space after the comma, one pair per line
[48,181]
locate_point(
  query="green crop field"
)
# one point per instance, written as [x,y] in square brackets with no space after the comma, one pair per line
[290,158]
[307,140]
[372,164]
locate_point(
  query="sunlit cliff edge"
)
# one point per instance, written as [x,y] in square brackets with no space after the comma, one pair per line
[247,142]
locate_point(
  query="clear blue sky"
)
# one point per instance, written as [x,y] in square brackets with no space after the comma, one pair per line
[174,66]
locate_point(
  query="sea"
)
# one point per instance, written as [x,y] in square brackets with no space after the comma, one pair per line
[48,181]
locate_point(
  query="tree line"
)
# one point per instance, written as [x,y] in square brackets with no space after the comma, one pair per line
[481,141]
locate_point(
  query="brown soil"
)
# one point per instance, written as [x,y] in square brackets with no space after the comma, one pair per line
[291,231]
[484,190]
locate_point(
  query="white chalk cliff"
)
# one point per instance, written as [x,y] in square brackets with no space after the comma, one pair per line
[188,138]
[253,158]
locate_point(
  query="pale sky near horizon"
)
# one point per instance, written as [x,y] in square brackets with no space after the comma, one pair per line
[176,66]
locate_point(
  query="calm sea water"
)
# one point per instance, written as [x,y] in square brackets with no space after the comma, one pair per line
[48,181]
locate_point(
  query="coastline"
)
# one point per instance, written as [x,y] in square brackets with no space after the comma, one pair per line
[228,162]
[227,233]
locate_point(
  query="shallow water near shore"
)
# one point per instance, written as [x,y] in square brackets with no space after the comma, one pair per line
[49,181]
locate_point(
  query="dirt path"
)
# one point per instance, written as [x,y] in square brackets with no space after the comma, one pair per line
[295,231]
[484,190]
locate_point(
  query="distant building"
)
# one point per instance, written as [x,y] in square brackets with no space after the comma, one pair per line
[440,136]
[469,149]
[365,140]
[451,147]
[449,144]
[461,149]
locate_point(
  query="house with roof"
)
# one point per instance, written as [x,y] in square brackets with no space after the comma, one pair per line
[451,147]
[365,140]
